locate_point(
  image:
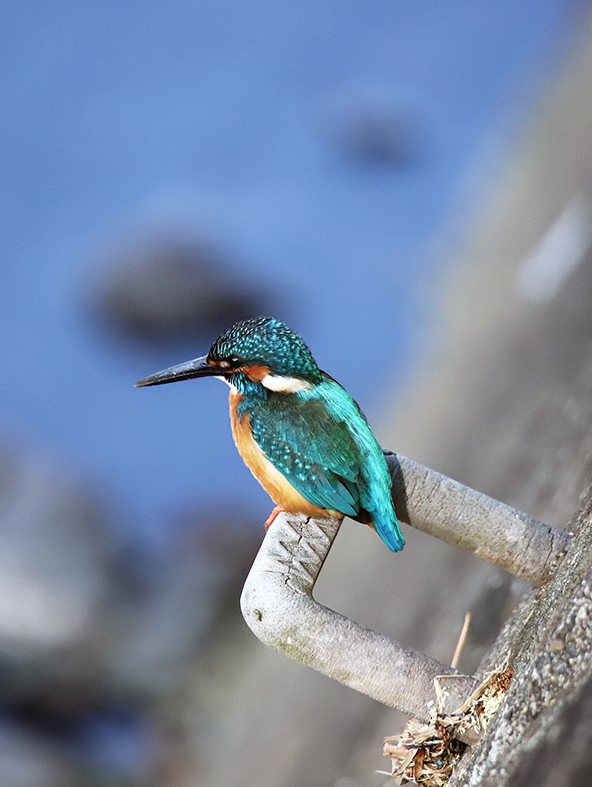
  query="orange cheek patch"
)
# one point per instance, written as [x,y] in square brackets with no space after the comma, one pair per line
[256,373]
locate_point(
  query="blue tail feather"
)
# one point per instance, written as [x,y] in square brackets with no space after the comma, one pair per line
[387,526]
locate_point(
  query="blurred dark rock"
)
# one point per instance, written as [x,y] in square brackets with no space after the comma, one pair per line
[371,126]
[149,641]
[167,288]
[94,647]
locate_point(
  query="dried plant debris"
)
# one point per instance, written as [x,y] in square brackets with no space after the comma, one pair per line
[427,753]
[423,753]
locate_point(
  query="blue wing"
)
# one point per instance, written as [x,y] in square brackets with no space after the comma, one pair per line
[313,451]
[323,446]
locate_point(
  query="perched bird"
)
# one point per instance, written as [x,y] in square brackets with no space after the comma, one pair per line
[300,433]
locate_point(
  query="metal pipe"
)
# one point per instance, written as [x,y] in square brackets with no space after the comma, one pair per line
[278,606]
[475,523]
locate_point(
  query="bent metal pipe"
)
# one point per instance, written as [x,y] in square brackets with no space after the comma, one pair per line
[278,605]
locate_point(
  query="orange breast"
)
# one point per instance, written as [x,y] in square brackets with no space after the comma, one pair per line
[275,484]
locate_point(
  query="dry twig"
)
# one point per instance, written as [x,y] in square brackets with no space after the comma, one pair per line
[461,639]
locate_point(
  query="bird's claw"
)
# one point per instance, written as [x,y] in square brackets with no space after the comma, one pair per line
[277,510]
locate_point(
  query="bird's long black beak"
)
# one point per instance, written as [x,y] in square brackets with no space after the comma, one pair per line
[199,367]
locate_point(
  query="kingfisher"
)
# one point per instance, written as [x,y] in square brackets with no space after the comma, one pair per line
[297,429]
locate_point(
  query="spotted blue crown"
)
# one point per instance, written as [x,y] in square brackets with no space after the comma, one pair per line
[267,341]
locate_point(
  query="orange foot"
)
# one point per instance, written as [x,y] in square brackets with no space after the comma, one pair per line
[277,510]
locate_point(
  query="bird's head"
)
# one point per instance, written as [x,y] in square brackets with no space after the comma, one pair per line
[261,351]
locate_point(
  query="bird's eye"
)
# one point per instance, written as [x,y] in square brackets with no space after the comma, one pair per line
[230,363]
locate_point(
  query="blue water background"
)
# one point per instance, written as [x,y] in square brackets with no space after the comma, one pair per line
[211,117]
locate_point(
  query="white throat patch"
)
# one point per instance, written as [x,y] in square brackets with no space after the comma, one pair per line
[284,384]
[232,387]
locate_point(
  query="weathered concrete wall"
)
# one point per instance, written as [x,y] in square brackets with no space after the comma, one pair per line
[505,407]
[515,409]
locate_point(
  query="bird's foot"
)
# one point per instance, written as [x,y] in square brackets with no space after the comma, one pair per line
[277,510]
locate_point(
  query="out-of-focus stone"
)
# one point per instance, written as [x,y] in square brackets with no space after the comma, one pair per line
[28,761]
[54,554]
[93,646]
[149,641]
[166,288]
[369,125]
[79,622]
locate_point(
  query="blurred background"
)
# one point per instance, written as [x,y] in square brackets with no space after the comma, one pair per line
[370,174]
